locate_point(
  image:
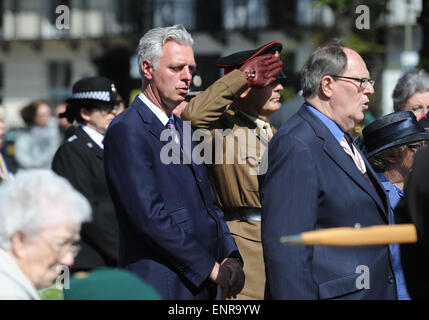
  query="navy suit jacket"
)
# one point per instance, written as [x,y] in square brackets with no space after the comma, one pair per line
[171,232]
[311,183]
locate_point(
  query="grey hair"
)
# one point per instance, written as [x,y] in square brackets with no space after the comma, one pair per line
[150,45]
[36,199]
[327,60]
[411,82]
[383,160]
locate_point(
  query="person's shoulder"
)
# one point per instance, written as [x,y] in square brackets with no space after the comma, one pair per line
[73,143]
[11,289]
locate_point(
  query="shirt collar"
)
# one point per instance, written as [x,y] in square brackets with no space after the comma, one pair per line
[388,186]
[260,123]
[157,111]
[330,124]
[94,135]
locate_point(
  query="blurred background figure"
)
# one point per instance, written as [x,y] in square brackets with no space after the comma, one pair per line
[36,145]
[390,144]
[66,127]
[120,105]
[40,218]
[194,89]
[7,160]
[109,284]
[412,93]
[287,110]
[80,160]
[4,168]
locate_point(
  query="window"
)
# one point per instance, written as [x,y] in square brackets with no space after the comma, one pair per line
[170,12]
[244,14]
[59,81]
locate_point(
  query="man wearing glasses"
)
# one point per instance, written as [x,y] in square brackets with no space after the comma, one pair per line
[318,178]
[80,160]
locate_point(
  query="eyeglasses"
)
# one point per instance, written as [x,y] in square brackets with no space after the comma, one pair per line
[61,250]
[362,81]
[416,146]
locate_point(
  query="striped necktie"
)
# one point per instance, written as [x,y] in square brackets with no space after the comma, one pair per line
[350,149]
[172,127]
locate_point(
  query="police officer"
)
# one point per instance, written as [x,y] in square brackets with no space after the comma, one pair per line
[80,160]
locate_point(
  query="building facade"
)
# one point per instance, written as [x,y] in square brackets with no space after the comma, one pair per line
[46,45]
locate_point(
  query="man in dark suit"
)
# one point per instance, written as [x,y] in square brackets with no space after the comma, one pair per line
[316,179]
[80,160]
[171,232]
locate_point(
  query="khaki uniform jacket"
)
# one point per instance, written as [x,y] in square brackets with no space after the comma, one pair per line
[235,180]
[237,145]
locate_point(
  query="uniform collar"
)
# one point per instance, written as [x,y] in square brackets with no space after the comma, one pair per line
[96,136]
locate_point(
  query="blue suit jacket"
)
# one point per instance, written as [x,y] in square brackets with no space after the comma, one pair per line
[311,183]
[171,232]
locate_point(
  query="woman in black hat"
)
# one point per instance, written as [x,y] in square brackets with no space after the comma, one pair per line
[80,160]
[390,144]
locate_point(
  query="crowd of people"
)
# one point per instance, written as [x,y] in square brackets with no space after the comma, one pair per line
[190,197]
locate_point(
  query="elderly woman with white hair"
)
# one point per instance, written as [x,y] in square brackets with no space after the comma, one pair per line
[40,219]
[412,93]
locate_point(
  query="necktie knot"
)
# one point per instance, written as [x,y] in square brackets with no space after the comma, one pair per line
[351,150]
[170,124]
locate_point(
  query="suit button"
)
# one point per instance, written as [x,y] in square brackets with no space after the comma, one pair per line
[390,279]
[199,179]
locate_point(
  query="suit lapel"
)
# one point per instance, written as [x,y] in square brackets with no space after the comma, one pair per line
[337,154]
[155,125]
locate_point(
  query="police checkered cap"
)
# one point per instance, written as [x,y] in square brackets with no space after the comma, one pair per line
[94,88]
[94,95]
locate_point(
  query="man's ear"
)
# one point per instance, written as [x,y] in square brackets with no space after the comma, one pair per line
[326,86]
[147,69]
[245,93]
[18,244]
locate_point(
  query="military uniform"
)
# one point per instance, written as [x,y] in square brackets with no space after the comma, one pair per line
[236,184]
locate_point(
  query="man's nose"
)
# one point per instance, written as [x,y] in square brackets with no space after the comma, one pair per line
[187,73]
[369,89]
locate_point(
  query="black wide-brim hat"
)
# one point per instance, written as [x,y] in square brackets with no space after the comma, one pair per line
[97,89]
[392,130]
[238,59]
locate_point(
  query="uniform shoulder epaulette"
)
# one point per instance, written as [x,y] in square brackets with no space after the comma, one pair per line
[73,137]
